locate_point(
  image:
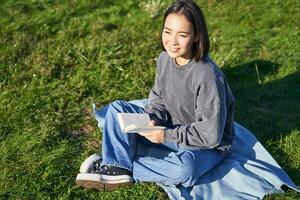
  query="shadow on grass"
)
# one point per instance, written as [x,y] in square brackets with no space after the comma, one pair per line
[268,108]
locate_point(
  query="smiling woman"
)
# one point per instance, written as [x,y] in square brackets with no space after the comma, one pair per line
[190,97]
[57,57]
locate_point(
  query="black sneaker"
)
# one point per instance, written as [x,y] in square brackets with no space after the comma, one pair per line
[105,177]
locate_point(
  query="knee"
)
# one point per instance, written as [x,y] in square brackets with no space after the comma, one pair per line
[116,105]
[186,171]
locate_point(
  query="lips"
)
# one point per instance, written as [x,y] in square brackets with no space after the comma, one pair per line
[172,49]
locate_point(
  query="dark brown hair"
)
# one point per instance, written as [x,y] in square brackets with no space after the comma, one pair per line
[194,15]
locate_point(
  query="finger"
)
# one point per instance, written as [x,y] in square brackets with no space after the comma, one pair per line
[144,133]
[152,123]
[150,138]
[153,140]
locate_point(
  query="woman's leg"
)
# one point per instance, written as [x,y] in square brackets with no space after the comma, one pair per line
[118,151]
[182,167]
[178,166]
[118,148]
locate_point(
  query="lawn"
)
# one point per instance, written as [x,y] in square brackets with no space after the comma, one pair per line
[59,57]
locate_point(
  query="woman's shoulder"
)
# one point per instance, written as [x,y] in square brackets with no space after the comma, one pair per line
[162,60]
[207,70]
[162,56]
[207,63]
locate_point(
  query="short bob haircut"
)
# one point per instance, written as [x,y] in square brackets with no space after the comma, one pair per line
[194,15]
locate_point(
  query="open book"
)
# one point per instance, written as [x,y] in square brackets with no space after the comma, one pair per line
[135,122]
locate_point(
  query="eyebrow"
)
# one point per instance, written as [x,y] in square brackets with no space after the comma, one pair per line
[178,32]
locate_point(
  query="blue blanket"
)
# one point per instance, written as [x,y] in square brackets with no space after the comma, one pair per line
[247,172]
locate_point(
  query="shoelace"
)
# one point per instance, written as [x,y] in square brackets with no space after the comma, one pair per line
[98,167]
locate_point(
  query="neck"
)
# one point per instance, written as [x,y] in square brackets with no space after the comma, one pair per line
[182,61]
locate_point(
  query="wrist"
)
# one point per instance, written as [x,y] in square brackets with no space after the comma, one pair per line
[163,136]
[169,135]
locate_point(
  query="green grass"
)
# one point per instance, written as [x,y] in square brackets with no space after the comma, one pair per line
[58,57]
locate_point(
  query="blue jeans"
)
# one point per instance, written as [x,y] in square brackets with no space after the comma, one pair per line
[166,163]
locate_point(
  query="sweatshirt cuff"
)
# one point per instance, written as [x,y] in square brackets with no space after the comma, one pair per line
[169,135]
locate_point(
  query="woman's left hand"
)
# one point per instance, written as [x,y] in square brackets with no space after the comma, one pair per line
[156,136]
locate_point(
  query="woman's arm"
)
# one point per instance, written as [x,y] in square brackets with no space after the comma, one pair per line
[210,114]
[156,108]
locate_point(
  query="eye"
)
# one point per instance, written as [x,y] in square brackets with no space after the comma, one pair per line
[167,32]
[183,36]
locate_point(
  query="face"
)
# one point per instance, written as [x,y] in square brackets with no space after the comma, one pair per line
[177,38]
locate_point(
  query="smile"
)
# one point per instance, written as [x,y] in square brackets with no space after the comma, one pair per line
[173,49]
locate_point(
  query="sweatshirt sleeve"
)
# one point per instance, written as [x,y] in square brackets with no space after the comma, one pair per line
[207,131]
[156,108]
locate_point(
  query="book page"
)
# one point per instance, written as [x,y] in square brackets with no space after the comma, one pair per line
[135,122]
[136,129]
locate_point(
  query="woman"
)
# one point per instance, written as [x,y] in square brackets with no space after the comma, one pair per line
[190,97]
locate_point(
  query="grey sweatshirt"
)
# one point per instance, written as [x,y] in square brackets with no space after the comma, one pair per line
[195,102]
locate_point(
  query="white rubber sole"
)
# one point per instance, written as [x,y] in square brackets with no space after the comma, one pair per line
[88,177]
[90,181]
[102,182]
[116,179]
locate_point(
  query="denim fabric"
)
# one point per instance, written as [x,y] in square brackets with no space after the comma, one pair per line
[248,171]
[166,163]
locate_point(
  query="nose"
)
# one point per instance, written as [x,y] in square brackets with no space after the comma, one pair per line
[174,40]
